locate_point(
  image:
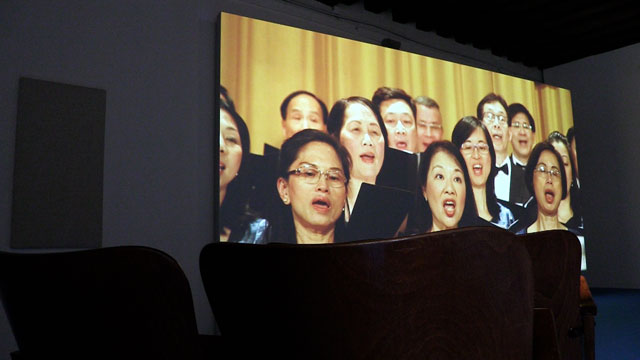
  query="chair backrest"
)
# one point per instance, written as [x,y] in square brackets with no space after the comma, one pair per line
[458,294]
[113,303]
[555,258]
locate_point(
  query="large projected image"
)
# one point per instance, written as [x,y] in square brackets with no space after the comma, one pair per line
[325,139]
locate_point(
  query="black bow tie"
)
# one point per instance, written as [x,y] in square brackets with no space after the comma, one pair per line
[504,168]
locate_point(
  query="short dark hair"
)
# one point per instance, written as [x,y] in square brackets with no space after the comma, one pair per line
[571,134]
[490,98]
[461,132]
[226,98]
[386,93]
[426,101]
[292,146]
[243,130]
[533,162]
[517,108]
[234,204]
[557,137]
[287,100]
[335,121]
[574,191]
[470,210]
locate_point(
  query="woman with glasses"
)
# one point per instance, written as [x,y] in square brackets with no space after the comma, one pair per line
[472,138]
[569,211]
[547,180]
[447,200]
[236,222]
[313,185]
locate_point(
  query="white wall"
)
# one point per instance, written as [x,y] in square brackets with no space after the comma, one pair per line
[605,91]
[155,60]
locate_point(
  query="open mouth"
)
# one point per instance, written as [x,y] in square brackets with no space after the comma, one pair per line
[477,169]
[321,204]
[449,207]
[524,143]
[368,158]
[222,167]
[549,196]
[401,145]
[496,137]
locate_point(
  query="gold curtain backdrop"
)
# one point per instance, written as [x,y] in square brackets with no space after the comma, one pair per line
[262,62]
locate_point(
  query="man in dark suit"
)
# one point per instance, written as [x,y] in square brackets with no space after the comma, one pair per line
[522,129]
[492,110]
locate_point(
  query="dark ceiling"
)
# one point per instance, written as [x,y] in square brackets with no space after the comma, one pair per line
[537,33]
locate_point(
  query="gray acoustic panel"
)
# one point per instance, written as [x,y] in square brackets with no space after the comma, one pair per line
[58,172]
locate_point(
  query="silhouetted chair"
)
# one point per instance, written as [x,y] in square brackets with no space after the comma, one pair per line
[458,294]
[113,303]
[588,312]
[545,338]
[555,257]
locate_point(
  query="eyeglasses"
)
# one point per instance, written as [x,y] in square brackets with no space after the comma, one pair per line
[542,171]
[493,118]
[517,125]
[468,148]
[311,175]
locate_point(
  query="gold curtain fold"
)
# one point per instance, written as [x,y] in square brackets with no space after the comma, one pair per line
[261,63]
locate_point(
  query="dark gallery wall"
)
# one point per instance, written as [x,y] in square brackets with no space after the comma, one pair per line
[605,91]
[156,62]
[154,59]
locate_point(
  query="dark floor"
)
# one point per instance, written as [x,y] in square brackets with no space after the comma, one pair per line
[617,324]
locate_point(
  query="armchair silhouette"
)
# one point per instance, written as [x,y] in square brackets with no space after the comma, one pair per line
[113,303]
[457,294]
[559,287]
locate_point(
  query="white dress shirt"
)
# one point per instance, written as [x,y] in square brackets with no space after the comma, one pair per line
[502,181]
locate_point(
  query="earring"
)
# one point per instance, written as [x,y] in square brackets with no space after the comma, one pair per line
[286,201]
